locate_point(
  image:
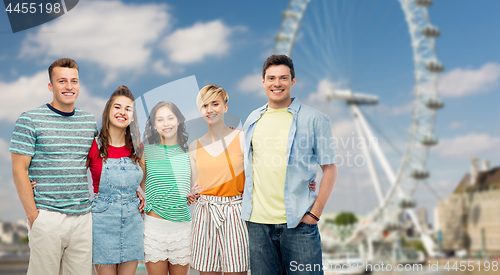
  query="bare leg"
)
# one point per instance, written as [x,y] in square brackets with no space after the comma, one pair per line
[128,268]
[106,269]
[158,268]
[176,269]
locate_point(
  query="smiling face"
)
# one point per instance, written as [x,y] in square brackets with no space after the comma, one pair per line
[278,82]
[166,124]
[121,112]
[65,86]
[213,112]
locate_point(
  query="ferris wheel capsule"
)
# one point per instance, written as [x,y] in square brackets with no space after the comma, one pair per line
[428,140]
[431,31]
[282,38]
[424,3]
[392,226]
[289,14]
[434,103]
[407,203]
[419,173]
[434,66]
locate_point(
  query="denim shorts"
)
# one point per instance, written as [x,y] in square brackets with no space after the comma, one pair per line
[117,225]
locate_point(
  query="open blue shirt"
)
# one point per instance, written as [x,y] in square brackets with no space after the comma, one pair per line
[309,143]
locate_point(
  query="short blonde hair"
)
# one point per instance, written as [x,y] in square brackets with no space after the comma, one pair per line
[209,93]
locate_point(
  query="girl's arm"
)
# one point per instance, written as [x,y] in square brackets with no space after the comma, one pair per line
[195,188]
[142,163]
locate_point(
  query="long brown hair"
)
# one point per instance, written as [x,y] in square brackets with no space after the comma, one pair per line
[151,136]
[132,135]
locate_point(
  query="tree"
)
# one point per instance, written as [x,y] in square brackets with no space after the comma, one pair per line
[345,218]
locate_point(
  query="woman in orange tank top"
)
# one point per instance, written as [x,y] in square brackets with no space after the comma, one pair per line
[220,236]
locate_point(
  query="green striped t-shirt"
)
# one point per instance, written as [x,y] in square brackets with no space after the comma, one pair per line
[58,144]
[168,177]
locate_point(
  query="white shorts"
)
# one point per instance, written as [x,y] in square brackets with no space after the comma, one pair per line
[220,236]
[167,240]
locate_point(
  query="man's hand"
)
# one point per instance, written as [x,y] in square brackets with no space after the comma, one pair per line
[308,219]
[32,218]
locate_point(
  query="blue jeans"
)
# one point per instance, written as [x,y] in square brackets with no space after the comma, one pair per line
[276,249]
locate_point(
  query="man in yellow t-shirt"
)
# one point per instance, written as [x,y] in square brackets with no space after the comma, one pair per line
[285,141]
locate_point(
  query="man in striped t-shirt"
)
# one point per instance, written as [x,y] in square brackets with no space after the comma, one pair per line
[50,146]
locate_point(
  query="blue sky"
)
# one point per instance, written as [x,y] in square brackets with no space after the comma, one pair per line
[146,44]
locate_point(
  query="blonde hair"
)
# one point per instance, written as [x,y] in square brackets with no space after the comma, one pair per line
[210,93]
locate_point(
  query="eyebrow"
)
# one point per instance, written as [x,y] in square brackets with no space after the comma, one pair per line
[130,106]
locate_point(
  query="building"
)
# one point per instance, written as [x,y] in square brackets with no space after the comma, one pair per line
[12,232]
[469,218]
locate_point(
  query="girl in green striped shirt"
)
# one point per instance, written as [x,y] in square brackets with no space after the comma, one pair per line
[167,225]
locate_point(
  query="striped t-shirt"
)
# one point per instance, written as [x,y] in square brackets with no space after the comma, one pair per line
[168,177]
[58,144]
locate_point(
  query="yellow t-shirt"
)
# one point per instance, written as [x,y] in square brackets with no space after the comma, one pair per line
[269,142]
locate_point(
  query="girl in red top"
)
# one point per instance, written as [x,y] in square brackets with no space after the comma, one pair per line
[117,225]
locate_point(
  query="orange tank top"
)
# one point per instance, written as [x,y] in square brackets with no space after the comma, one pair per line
[222,175]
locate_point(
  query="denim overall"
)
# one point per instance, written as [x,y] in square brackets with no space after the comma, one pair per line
[117,225]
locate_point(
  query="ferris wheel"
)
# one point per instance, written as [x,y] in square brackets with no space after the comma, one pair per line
[318,36]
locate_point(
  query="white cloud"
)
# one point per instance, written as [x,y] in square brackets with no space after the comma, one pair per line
[343,128]
[471,145]
[462,82]
[324,87]
[116,36]
[161,69]
[252,84]
[335,109]
[193,44]
[28,92]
